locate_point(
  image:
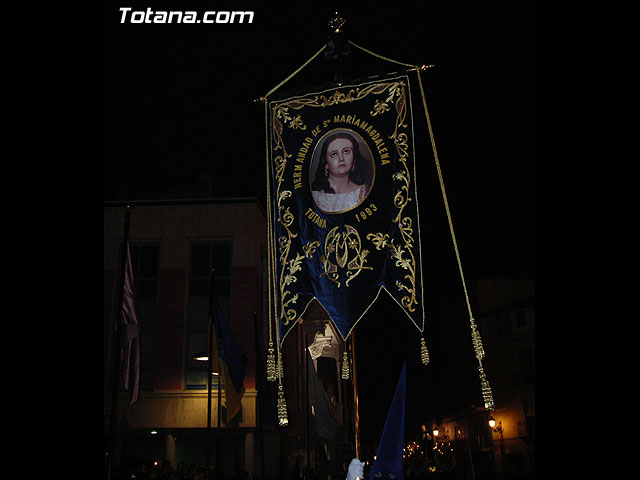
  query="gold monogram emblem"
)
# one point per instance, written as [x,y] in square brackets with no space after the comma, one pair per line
[343,248]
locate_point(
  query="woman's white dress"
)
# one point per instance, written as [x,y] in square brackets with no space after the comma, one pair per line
[339,202]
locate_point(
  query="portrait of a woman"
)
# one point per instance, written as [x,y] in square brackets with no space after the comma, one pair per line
[343,176]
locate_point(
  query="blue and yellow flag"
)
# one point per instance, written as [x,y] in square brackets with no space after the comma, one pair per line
[343,203]
[230,361]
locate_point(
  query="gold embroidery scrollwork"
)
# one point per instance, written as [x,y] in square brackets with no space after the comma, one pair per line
[395,90]
[403,254]
[294,266]
[310,248]
[378,108]
[347,245]
[345,248]
[380,240]
[407,263]
[282,113]
[288,266]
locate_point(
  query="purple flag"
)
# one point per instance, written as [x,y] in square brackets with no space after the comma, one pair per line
[130,333]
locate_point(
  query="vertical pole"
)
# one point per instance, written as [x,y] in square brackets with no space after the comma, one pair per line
[209,374]
[218,426]
[504,467]
[220,367]
[259,398]
[308,405]
[356,413]
[471,474]
[116,344]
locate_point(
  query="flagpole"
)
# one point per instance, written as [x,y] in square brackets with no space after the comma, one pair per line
[117,343]
[209,375]
[356,413]
[260,393]
[218,434]
[308,407]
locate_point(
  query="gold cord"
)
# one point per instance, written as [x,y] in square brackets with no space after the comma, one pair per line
[271,360]
[475,334]
[477,341]
[424,353]
[274,365]
[279,368]
[382,57]
[444,194]
[296,72]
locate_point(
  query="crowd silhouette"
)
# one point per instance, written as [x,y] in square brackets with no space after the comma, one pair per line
[182,471]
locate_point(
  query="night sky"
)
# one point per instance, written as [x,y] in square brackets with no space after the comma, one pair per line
[178,105]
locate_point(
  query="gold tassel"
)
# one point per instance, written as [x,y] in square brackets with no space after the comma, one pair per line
[424,353]
[477,340]
[487,396]
[271,364]
[280,368]
[283,421]
[345,366]
[475,334]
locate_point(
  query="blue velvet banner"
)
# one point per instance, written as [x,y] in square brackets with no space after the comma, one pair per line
[343,201]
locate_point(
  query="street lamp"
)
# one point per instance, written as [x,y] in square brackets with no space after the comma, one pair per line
[492,425]
[201,357]
[498,429]
[208,357]
[204,357]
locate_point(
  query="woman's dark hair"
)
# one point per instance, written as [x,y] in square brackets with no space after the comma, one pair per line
[360,172]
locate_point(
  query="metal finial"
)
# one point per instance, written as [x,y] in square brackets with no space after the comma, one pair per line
[337,22]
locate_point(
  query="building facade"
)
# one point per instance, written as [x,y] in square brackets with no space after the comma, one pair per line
[498,443]
[506,319]
[172,244]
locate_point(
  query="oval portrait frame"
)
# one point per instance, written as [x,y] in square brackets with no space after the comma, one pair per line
[367,157]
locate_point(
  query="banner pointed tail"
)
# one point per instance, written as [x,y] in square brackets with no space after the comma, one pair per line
[343,202]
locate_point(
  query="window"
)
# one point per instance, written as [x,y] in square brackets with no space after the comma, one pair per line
[202,255]
[522,429]
[530,422]
[526,364]
[504,321]
[499,326]
[493,327]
